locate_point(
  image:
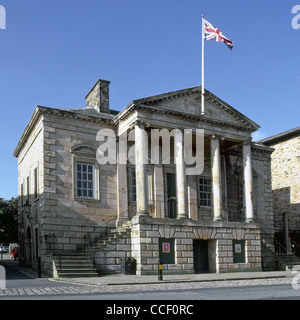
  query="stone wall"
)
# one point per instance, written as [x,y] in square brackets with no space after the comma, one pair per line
[286,182]
[262,189]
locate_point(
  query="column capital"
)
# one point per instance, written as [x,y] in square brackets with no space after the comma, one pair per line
[247,142]
[140,123]
[217,136]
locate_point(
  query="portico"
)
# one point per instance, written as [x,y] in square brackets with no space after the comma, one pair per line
[183,196]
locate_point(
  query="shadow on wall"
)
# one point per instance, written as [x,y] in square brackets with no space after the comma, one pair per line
[282,206]
[48,226]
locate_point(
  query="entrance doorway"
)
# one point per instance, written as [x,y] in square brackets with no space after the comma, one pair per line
[201,264]
[171,185]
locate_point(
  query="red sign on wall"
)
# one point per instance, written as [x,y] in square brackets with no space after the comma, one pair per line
[166,248]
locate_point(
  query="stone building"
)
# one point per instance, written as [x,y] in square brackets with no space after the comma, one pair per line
[285,165]
[206,220]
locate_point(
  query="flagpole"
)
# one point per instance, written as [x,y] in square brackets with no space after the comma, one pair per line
[202,85]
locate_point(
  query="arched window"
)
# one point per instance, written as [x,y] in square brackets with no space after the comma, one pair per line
[85,172]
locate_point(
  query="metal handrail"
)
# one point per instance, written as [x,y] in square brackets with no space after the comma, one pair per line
[88,249]
[105,224]
[297,246]
[285,250]
[56,241]
[102,226]
[87,244]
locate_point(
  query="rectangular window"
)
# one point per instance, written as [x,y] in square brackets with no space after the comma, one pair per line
[28,190]
[84,180]
[35,184]
[205,192]
[133,186]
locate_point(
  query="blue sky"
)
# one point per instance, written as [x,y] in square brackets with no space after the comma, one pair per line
[52,52]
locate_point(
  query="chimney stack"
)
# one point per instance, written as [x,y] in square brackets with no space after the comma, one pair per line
[98,97]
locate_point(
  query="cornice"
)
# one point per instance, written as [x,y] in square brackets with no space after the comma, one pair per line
[41,111]
[31,124]
[261,147]
[199,118]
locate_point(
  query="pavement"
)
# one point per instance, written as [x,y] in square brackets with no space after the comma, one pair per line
[122,279]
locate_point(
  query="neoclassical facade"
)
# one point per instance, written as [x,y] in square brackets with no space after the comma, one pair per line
[81,170]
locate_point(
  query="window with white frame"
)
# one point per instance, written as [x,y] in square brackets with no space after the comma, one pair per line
[133,187]
[85,181]
[205,192]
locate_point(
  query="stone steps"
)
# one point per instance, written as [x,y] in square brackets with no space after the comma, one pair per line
[109,251]
[73,265]
[113,236]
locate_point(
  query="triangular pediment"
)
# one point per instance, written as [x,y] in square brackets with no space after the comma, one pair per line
[188,102]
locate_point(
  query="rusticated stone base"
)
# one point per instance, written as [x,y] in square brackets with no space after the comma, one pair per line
[146,233]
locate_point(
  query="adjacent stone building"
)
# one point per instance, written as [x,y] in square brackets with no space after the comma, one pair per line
[83,170]
[285,164]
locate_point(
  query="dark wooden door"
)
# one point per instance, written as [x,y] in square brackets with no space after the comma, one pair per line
[201,256]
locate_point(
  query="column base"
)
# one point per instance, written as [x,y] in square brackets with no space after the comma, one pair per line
[182,216]
[143,214]
[250,220]
[218,219]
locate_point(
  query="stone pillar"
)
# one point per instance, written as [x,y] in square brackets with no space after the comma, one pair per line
[159,203]
[141,159]
[180,175]
[248,181]
[216,177]
[122,187]
[192,197]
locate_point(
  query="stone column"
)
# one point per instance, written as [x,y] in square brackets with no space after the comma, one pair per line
[180,175]
[248,181]
[216,177]
[141,159]
[159,203]
[122,196]
[192,196]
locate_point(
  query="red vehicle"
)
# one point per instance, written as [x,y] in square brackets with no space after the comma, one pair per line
[16,253]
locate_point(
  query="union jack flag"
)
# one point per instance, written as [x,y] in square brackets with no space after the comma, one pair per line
[211,32]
